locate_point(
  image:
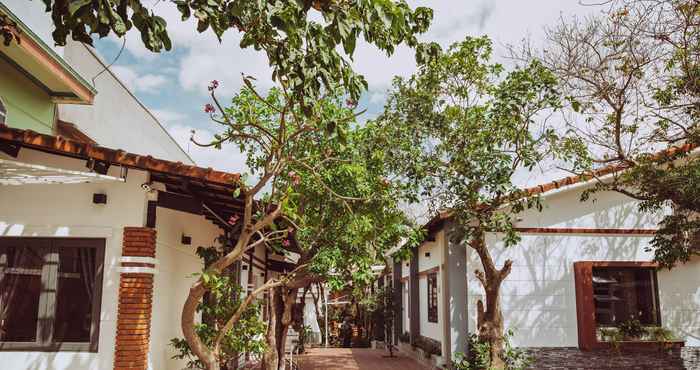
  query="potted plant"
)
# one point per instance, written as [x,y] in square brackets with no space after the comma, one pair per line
[631,330]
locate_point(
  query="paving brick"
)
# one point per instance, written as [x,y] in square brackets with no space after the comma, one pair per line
[355,359]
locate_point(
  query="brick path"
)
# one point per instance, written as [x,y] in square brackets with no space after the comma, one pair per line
[354,359]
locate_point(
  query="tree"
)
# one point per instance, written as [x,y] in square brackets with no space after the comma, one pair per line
[457,130]
[302,51]
[632,82]
[324,190]
[8,30]
[345,215]
[223,300]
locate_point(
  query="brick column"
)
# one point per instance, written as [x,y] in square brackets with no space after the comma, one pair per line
[135,298]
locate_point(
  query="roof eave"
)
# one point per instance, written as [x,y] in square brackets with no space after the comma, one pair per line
[31,45]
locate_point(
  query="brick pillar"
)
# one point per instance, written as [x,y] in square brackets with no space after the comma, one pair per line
[135,298]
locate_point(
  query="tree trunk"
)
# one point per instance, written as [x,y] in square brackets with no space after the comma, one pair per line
[270,360]
[490,318]
[281,306]
[208,355]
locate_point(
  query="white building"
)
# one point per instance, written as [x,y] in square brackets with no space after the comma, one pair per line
[101,213]
[579,266]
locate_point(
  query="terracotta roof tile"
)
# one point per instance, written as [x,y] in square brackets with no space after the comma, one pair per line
[62,146]
[575,179]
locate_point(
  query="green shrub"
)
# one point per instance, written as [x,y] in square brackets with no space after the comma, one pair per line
[631,329]
[479,359]
[429,346]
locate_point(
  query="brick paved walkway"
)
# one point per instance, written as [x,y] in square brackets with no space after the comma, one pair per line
[354,359]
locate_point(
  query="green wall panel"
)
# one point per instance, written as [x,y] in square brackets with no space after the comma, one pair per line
[28,105]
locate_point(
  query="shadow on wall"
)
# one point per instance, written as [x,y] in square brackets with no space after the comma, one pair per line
[62,361]
[538,297]
[679,294]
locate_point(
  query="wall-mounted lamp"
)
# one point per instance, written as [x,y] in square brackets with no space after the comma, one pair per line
[244,267]
[96,166]
[186,240]
[427,254]
[98,198]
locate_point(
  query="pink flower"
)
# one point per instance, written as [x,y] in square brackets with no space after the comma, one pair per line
[233,219]
[286,242]
[213,85]
[209,108]
[296,179]
[350,103]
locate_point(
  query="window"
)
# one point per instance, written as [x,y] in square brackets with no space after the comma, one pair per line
[625,293]
[50,293]
[3,113]
[608,293]
[432,297]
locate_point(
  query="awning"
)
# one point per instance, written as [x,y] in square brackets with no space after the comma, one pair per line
[19,173]
[192,189]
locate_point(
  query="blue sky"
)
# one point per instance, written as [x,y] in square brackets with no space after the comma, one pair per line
[173,84]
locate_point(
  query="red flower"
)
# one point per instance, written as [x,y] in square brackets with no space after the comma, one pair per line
[350,103]
[286,242]
[233,219]
[213,85]
[209,108]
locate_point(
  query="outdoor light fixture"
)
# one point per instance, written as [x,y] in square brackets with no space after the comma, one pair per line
[96,166]
[427,254]
[98,198]
[244,267]
[186,240]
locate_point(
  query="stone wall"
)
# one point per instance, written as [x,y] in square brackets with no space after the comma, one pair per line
[686,358]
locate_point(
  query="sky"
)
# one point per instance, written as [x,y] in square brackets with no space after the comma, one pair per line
[173,85]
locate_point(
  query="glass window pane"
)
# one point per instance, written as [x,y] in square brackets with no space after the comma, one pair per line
[20,288]
[76,286]
[622,294]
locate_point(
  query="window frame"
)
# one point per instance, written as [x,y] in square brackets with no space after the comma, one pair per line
[432,297]
[585,304]
[47,297]
[3,112]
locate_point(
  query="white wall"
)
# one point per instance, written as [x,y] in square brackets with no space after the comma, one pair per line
[538,297]
[116,119]
[176,264]
[679,293]
[67,210]
[430,329]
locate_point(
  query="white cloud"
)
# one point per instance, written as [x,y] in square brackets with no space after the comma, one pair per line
[147,83]
[228,158]
[169,117]
[197,58]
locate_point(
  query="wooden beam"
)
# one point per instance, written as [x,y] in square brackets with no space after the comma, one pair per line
[179,202]
[151,213]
